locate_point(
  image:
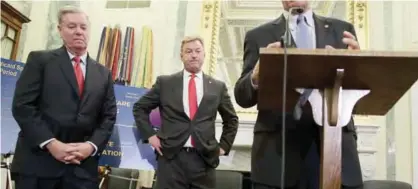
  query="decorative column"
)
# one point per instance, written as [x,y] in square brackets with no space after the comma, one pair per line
[357,15]
[209,30]
[402,117]
[371,129]
[397,156]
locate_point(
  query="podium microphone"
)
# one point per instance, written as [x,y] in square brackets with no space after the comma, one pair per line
[286,43]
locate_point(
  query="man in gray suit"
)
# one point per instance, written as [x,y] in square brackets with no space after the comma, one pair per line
[308,30]
[189,101]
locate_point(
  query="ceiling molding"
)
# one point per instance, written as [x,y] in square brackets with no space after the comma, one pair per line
[249,4]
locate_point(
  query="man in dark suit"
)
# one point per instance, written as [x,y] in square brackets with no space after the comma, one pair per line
[306,28]
[65,120]
[187,150]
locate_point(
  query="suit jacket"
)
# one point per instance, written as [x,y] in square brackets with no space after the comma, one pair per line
[167,94]
[46,105]
[329,31]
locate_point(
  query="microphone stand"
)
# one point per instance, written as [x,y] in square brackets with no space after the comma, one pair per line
[287,42]
[6,165]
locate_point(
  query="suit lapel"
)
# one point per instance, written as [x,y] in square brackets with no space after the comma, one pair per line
[91,74]
[177,89]
[279,30]
[322,32]
[66,67]
[207,87]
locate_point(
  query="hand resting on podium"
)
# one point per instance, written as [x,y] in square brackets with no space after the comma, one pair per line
[348,38]
[254,75]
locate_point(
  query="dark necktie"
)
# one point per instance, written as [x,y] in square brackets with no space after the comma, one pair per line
[79,75]
[304,41]
[192,101]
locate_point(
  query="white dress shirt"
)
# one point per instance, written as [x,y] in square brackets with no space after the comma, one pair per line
[309,20]
[199,92]
[83,63]
[293,28]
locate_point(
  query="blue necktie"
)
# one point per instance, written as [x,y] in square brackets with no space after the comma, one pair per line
[303,39]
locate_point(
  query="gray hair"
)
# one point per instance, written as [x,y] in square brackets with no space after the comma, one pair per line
[188,39]
[68,10]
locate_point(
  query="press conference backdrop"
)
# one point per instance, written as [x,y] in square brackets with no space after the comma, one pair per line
[125,148]
[10,71]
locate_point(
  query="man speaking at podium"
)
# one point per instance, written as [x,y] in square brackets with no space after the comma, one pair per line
[189,100]
[308,30]
[65,106]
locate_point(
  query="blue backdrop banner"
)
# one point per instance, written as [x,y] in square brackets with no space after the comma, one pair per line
[125,148]
[10,71]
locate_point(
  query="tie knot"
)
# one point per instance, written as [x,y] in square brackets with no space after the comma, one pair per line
[193,75]
[77,59]
[301,18]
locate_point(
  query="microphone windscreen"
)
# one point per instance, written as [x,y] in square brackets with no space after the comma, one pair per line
[297,10]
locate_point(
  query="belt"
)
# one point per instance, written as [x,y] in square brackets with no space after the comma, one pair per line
[189,149]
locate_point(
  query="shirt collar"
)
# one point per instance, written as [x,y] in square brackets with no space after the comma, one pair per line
[188,74]
[293,18]
[83,57]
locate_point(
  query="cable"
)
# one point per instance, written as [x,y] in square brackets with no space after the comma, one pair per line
[283,163]
[287,42]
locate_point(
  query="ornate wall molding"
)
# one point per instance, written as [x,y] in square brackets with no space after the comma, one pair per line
[367,147]
[209,30]
[357,14]
[244,135]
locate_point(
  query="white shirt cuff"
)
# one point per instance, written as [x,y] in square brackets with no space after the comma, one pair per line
[43,144]
[95,148]
[252,84]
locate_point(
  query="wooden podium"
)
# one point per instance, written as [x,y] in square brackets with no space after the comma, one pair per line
[340,78]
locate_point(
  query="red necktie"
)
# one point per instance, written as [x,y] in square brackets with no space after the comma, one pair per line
[192,100]
[79,75]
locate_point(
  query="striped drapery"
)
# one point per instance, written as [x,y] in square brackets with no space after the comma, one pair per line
[130,66]
[119,56]
[143,69]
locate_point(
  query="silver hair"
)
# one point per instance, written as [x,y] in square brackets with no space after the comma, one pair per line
[68,10]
